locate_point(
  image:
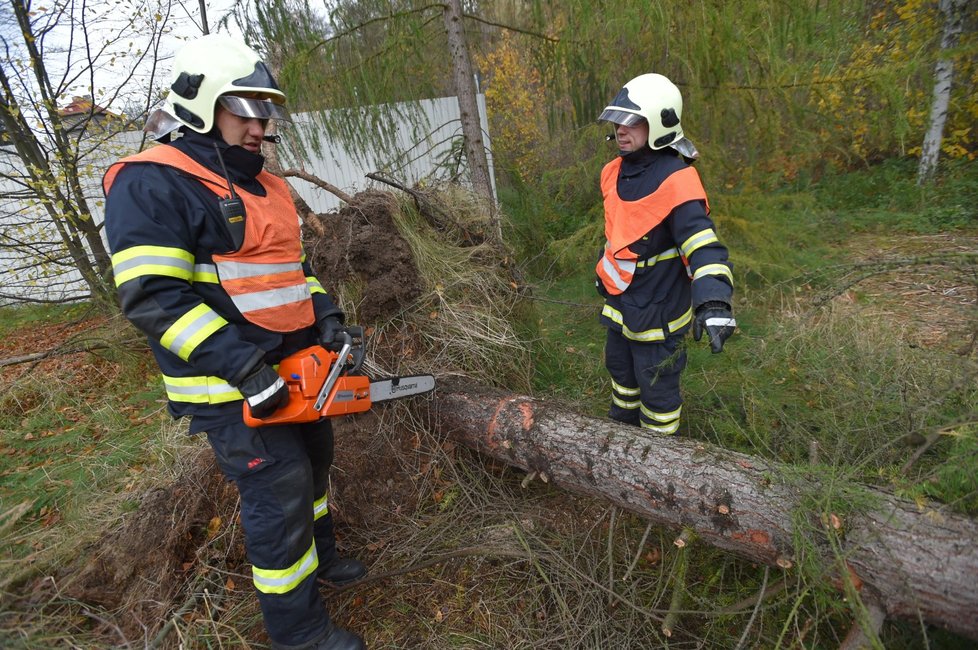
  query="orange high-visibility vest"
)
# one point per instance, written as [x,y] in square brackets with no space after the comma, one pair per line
[626,222]
[264,278]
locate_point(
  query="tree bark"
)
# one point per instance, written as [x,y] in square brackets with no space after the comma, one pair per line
[916,561]
[943,75]
[475,149]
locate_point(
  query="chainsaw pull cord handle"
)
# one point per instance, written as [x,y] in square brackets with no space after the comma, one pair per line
[334,372]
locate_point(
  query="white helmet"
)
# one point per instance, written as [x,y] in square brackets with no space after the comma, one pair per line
[653,98]
[216,68]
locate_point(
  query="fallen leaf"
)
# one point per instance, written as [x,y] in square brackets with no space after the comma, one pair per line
[213,527]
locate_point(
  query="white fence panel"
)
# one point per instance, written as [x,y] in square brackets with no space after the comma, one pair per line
[39,267]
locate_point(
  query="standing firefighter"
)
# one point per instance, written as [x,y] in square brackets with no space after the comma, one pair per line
[662,267]
[218,281]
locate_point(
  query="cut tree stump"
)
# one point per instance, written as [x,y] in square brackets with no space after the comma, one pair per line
[918,562]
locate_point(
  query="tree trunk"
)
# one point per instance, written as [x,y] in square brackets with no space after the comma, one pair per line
[464,82]
[917,561]
[943,74]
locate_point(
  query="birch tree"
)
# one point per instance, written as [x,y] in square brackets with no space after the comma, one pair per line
[953,11]
[51,242]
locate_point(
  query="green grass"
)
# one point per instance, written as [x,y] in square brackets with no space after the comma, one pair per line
[73,431]
[17,316]
[887,198]
[804,375]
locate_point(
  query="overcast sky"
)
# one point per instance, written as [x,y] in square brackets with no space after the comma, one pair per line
[114,36]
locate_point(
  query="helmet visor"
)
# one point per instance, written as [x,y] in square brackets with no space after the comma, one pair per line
[262,109]
[615,116]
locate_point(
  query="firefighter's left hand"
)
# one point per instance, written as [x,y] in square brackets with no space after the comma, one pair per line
[716,319]
[329,329]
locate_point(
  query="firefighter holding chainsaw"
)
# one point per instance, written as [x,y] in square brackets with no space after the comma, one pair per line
[215,276]
[663,267]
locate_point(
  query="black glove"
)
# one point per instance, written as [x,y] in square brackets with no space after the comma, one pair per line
[265,391]
[329,328]
[718,321]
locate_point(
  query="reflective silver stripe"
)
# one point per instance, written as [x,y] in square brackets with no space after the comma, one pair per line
[200,390]
[721,322]
[151,260]
[205,273]
[617,401]
[183,337]
[625,390]
[662,417]
[713,269]
[612,274]
[271,298]
[668,429]
[697,241]
[320,507]
[257,399]
[648,335]
[314,285]
[280,581]
[243,270]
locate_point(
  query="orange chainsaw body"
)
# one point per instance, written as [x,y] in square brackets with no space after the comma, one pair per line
[305,373]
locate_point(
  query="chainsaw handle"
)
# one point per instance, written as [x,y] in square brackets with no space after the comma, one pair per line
[334,372]
[359,352]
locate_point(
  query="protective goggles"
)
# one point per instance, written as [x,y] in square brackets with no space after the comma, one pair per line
[616,116]
[248,107]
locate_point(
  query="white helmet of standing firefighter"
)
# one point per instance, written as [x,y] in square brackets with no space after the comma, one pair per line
[655,99]
[217,68]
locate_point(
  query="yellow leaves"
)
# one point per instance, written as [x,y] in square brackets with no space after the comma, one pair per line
[213,527]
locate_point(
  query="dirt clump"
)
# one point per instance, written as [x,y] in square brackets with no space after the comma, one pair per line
[361,242]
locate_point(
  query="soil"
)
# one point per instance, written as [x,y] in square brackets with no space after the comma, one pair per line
[362,241]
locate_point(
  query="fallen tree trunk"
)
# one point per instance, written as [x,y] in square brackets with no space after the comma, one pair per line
[917,562]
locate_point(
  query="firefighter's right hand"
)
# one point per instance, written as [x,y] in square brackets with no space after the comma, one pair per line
[265,391]
[716,319]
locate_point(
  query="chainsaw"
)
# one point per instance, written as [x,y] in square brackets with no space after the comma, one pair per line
[325,383]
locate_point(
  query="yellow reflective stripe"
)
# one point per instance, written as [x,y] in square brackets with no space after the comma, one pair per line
[713,269]
[662,417]
[205,273]
[281,581]
[138,261]
[682,321]
[648,335]
[314,285]
[610,312]
[667,429]
[672,253]
[183,337]
[624,390]
[697,241]
[200,390]
[617,401]
[320,507]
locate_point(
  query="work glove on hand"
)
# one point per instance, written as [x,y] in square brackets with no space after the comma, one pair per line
[265,391]
[717,320]
[329,329]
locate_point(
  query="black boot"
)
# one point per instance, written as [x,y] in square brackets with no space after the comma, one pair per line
[342,571]
[340,639]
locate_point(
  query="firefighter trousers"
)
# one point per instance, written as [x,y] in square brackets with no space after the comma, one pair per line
[645,381]
[282,475]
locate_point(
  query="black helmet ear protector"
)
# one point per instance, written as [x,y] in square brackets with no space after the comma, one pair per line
[187,85]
